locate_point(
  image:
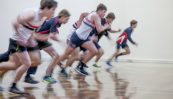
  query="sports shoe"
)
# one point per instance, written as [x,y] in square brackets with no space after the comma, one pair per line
[16,90]
[49,80]
[108,63]
[81,70]
[96,65]
[64,72]
[30,80]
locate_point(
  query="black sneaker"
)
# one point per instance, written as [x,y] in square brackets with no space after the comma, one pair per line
[82,71]
[16,90]
[82,64]
[30,80]
[64,72]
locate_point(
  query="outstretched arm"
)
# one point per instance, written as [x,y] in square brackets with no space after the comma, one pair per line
[130,39]
[114,31]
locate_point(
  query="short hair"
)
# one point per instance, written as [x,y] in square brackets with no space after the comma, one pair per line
[101,6]
[64,13]
[48,4]
[111,15]
[133,22]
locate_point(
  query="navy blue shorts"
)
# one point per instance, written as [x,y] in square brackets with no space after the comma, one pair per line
[75,41]
[123,45]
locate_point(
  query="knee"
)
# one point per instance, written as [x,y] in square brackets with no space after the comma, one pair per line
[95,51]
[14,66]
[27,63]
[101,54]
[128,52]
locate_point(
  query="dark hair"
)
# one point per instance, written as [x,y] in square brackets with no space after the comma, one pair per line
[101,6]
[64,13]
[48,4]
[133,22]
[110,15]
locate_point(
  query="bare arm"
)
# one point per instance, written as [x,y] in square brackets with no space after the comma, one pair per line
[98,25]
[54,36]
[23,19]
[82,16]
[114,31]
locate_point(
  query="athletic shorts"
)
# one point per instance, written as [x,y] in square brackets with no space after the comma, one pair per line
[32,48]
[14,47]
[123,45]
[43,44]
[75,41]
[96,45]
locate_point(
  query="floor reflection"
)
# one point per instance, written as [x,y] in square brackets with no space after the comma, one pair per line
[83,89]
[121,86]
[84,92]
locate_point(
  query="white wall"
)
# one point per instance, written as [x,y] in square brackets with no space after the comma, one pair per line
[154,31]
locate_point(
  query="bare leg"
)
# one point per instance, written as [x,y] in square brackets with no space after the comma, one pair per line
[68,51]
[92,51]
[35,57]
[35,62]
[99,55]
[73,57]
[127,51]
[51,51]
[12,64]
[26,63]
[114,55]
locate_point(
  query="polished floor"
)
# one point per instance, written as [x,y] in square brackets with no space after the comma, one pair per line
[126,80]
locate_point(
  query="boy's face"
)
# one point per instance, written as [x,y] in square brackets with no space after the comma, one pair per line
[50,12]
[102,13]
[109,20]
[65,20]
[134,25]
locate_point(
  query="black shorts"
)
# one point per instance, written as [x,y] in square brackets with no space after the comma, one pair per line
[123,45]
[32,48]
[43,44]
[14,47]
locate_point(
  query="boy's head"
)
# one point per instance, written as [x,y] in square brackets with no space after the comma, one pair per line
[101,10]
[64,16]
[48,7]
[133,23]
[110,17]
